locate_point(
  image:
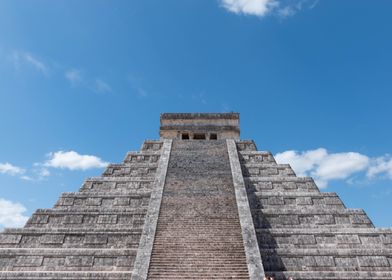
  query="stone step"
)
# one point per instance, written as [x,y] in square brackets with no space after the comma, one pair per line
[327,259]
[144,157]
[247,157]
[324,238]
[69,238]
[246,145]
[119,170]
[102,218]
[40,259]
[126,184]
[151,145]
[280,184]
[310,217]
[264,169]
[69,201]
[198,233]
[65,275]
[332,275]
[296,199]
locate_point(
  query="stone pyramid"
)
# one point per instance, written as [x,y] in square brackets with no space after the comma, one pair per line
[197,204]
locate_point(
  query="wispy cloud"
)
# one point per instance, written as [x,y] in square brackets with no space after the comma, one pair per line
[74,76]
[101,86]
[11,214]
[199,97]
[20,58]
[77,78]
[8,168]
[261,8]
[136,84]
[324,166]
[380,166]
[73,161]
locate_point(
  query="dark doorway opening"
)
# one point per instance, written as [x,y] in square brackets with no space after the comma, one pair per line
[185,136]
[199,136]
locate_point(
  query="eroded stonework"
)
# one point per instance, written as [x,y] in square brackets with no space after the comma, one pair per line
[197,204]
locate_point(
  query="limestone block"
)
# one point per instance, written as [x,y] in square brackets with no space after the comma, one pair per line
[96,239]
[105,261]
[107,219]
[325,219]
[79,261]
[121,201]
[28,261]
[52,239]
[324,261]
[10,238]
[304,239]
[373,261]
[53,263]
[73,219]
[346,261]
[38,219]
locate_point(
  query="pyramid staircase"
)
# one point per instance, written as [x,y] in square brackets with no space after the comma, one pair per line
[198,233]
[90,234]
[305,234]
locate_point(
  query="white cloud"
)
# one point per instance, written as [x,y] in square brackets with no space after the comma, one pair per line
[74,76]
[43,172]
[381,165]
[323,166]
[11,214]
[26,178]
[39,65]
[260,8]
[8,168]
[74,161]
[21,57]
[101,86]
[250,7]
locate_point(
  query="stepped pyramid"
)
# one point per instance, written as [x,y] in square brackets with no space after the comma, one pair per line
[197,204]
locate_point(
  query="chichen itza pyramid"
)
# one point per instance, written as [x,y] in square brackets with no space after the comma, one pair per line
[197,204]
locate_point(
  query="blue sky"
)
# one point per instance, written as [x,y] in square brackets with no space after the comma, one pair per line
[83,82]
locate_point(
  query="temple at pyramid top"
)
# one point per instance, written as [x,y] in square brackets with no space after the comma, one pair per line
[200,126]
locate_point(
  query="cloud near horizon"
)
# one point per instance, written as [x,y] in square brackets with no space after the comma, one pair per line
[73,161]
[11,214]
[325,167]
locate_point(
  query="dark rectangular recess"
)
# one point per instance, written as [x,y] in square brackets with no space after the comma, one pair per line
[185,136]
[213,136]
[199,136]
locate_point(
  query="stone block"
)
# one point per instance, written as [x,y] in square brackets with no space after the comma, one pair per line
[346,262]
[73,219]
[96,239]
[347,239]
[10,238]
[28,261]
[52,238]
[373,261]
[78,261]
[324,261]
[107,219]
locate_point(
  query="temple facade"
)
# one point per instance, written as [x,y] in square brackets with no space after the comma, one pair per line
[199,203]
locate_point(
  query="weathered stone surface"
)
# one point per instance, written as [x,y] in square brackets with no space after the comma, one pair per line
[197,209]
